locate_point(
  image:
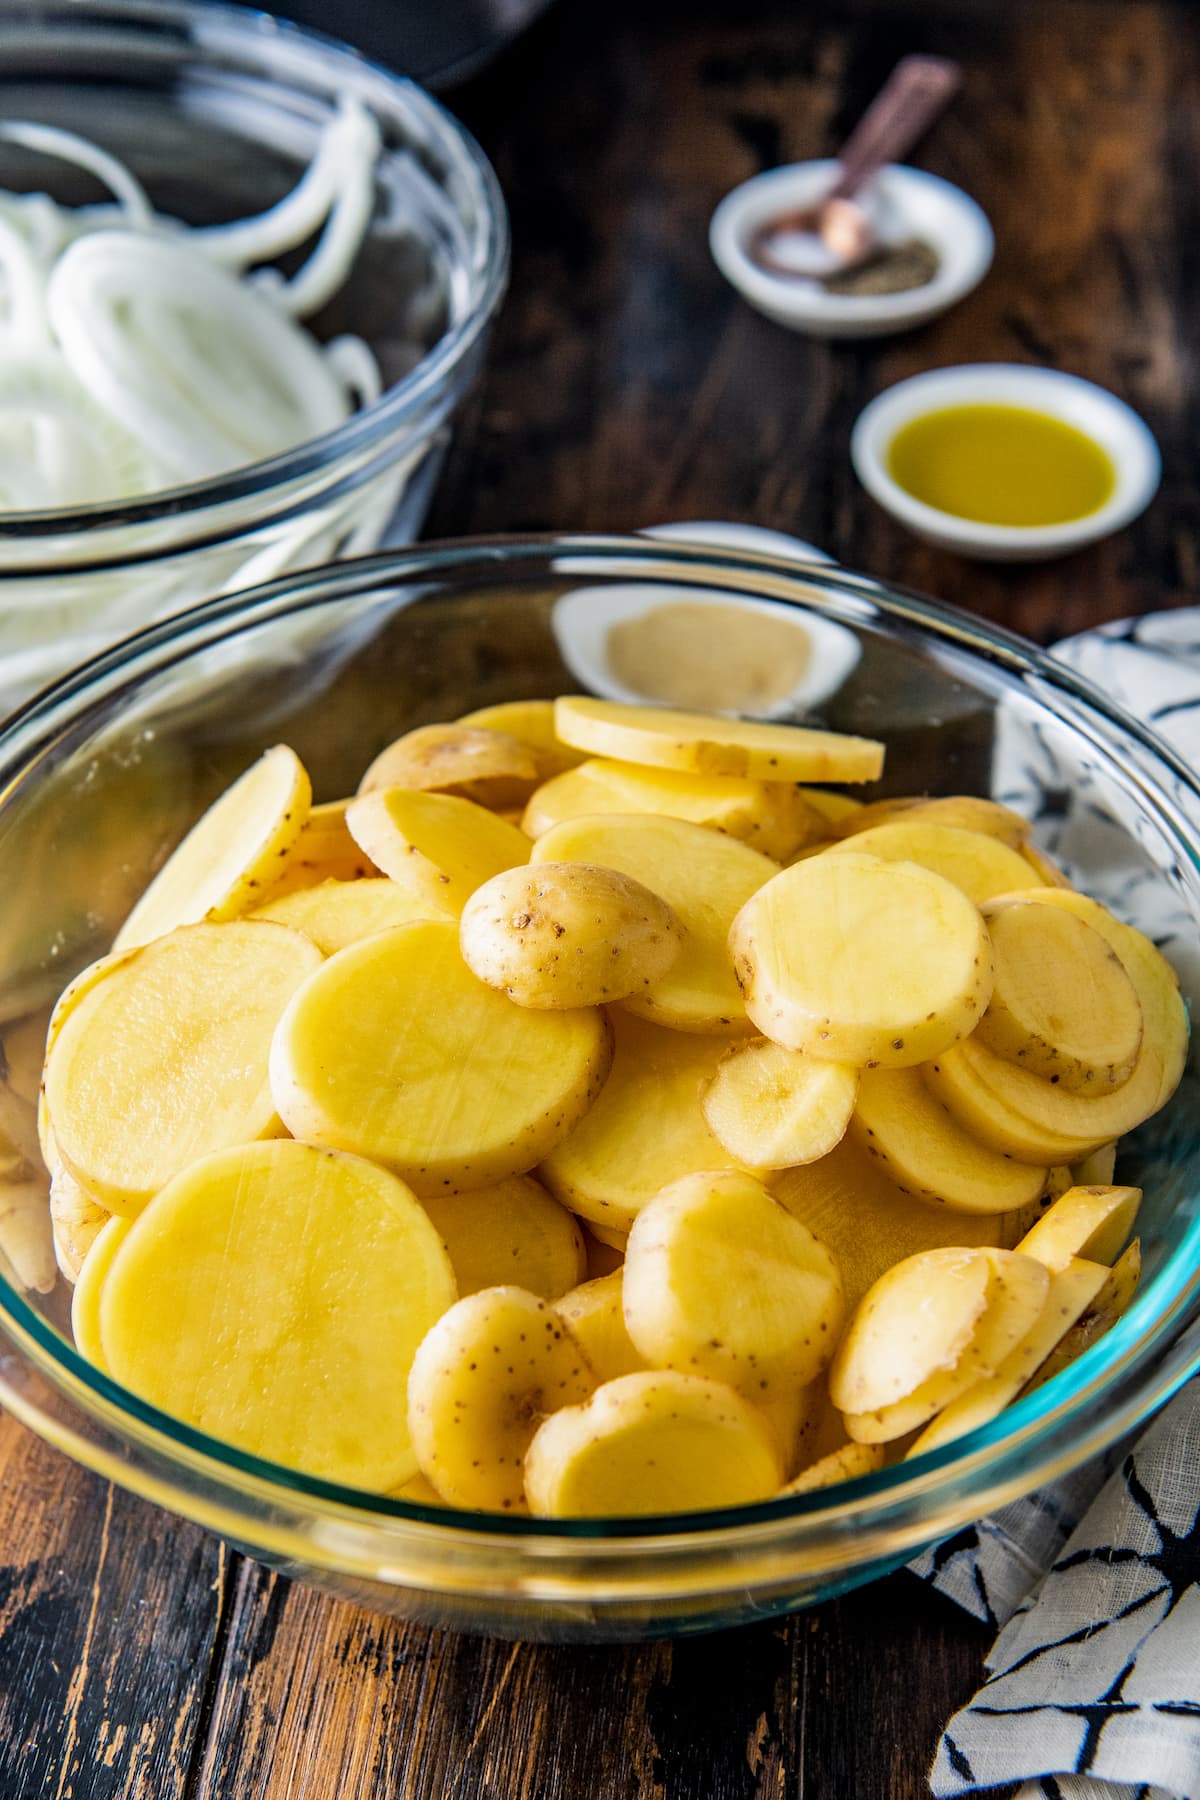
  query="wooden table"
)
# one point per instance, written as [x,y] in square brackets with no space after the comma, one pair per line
[627,385]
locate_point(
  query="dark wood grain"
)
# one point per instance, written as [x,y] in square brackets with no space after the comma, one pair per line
[628,384]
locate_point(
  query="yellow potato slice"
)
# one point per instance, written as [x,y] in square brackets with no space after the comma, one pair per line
[980,864]
[928,1153]
[1062,1005]
[395,1050]
[704,878]
[915,1322]
[771,816]
[488,766]
[1045,870]
[646,1128]
[418,1492]
[22,1055]
[324,851]
[89,1286]
[514,1232]
[236,849]
[1092,1119]
[850,1463]
[338,913]
[772,1108]
[991,1118]
[1098,1317]
[721,1280]
[568,934]
[1015,1298]
[861,961]
[652,1442]
[706,745]
[848,1202]
[438,848]
[485,1376]
[532,721]
[966,811]
[274,1295]
[1164,1016]
[165,1058]
[595,1316]
[25,1235]
[1088,1222]
[1073,1288]
[76,1221]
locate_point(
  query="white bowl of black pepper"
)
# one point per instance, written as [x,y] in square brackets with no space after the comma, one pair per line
[931,244]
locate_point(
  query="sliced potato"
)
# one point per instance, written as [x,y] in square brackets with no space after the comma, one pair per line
[488,766]
[231,854]
[966,811]
[773,1108]
[485,1376]
[1042,866]
[1015,1297]
[850,1463]
[568,934]
[915,1322]
[609,1237]
[324,851]
[438,848]
[847,1200]
[990,1116]
[514,1233]
[165,1058]
[861,961]
[1098,1317]
[626,1150]
[707,745]
[1062,1004]
[532,721]
[652,1442]
[721,1280]
[1088,1222]
[771,816]
[25,1236]
[704,878]
[594,1314]
[393,1049]
[978,863]
[1073,1288]
[273,1296]
[928,1153]
[76,1221]
[832,807]
[23,1053]
[338,913]
[89,1286]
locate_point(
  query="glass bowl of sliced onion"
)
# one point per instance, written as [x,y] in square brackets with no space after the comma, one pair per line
[246,278]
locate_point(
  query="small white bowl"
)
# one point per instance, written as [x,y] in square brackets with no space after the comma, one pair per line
[902,203]
[1092,410]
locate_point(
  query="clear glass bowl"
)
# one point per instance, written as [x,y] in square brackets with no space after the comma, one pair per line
[218,110]
[103,773]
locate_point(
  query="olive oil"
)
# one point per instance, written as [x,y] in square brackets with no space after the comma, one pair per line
[1001,465]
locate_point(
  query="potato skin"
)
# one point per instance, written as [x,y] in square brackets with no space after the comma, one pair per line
[557,935]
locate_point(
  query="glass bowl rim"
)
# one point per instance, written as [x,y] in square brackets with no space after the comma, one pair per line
[1140,1348]
[362,430]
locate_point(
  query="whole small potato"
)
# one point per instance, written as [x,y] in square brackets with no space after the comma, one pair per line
[568,934]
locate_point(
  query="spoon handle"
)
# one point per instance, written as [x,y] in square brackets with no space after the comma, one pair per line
[916,91]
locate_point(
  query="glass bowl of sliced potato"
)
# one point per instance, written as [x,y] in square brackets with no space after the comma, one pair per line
[555,1163]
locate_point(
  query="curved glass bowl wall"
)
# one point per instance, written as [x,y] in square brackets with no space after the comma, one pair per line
[101,776]
[218,111]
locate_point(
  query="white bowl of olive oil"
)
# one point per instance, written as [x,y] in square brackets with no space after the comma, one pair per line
[1005,462]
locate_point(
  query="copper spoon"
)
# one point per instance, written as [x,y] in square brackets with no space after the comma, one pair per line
[916,91]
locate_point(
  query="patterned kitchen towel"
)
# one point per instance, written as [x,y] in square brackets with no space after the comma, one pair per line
[1093,1689]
